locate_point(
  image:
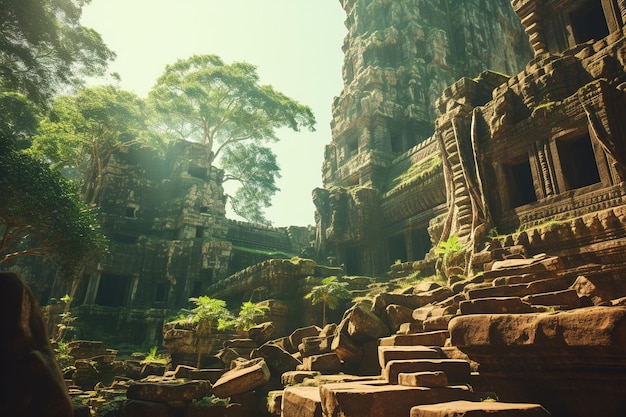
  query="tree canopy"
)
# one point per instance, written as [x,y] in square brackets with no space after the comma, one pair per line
[225,108]
[83,131]
[41,214]
[44,48]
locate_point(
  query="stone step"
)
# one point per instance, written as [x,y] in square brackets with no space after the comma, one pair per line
[495,305]
[538,265]
[378,399]
[423,379]
[522,289]
[390,353]
[435,338]
[479,409]
[458,371]
[301,402]
[566,299]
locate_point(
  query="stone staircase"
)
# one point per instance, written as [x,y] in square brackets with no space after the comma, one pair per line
[413,375]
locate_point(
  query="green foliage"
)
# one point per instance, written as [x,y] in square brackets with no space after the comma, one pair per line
[446,250]
[417,172]
[207,315]
[41,214]
[255,168]
[83,131]
[154,356]
[44,48]
[249,314]
[225,108]
[207,311]
[211,401]
[330,294]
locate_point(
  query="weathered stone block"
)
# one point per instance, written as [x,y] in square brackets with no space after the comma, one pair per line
[411,327]
[457,371]
[243,380]
[211,375]
[436,338]
[297,377]
[495,305]
[479,409]
[277,359]
[396,315]
[390,353]
[566,298]
[295,338]
[363,325]
[325,363]
[301,402]
[261,333]
[168,390]
[423,379]
[346,349]
[437,323]
[362,399]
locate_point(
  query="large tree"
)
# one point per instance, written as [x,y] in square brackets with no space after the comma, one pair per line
[83,131]
[41,213]
[225,107]
[44,48]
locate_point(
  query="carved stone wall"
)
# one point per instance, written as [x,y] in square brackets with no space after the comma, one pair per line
[399,57]
[170,240]
[549,146]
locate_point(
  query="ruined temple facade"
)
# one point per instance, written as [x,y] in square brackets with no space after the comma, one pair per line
[382,173]
[495,154]
[169,240]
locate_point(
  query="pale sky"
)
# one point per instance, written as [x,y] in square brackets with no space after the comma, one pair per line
[295,44]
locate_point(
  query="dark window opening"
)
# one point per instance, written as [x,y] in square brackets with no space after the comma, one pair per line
[130,212]
[196,290]
[396,142]
[589,22]
[206,275]
[160,295]
[352,266]
[397,248]
[421,243]
[352,147]
[197,172]
[204,210]
[123,238]
[199,231]
[112,290]
[520,184]
[578,162]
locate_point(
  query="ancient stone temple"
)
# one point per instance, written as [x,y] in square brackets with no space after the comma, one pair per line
[383,175]
[169,240]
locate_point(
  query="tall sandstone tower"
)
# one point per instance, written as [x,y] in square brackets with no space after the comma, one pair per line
[399,58]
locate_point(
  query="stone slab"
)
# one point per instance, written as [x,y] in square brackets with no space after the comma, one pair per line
[389,353]
[495,305]
[423,379]
[457,371]
[435,338]
[242,380]
[359,399]
[301,402]
[479,409]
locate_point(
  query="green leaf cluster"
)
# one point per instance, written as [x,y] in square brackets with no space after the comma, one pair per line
[330,293]
[224,106]
[44,48]
[42,214]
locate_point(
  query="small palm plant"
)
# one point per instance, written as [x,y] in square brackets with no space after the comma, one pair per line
[206,315]
[330,294]
[249,314]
